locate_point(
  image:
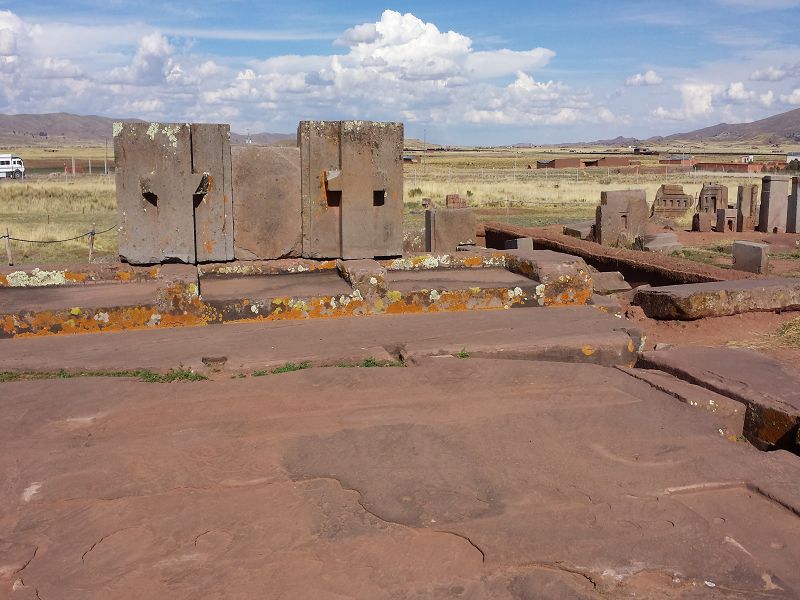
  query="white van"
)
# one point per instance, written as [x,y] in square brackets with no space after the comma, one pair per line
[11,166]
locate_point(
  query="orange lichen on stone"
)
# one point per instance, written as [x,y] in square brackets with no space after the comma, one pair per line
[75,277]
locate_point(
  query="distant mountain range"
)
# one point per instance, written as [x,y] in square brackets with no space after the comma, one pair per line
[65,128]
[778,129]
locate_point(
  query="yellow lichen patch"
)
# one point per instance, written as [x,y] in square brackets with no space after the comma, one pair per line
[630,345]
[588,350]
[3,280]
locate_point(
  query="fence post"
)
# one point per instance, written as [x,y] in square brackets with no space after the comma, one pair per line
[8,248]
[91,242]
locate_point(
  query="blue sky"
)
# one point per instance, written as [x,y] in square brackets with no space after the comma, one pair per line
[465,72]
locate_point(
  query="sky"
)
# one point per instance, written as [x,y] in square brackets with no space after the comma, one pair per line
[468,72]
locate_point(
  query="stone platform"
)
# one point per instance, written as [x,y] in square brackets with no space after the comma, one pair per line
[579,334]
[40,302]
[458,478]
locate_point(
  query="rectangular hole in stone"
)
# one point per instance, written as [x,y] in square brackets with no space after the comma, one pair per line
[334,198]
[378,197]
[151,198]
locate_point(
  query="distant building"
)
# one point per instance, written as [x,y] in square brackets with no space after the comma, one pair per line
[608,161]
[560,163]
[719,167]
[677,159]
[581,163]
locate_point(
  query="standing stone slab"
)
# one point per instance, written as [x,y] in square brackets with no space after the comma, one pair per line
[267,209]
[726,220]
[751,256]
[174,195]
[155,185]
[793,212]
[701,221]
[621,217]
[351,188]
[774,204]
[213,210]
[746,207]
[446,229]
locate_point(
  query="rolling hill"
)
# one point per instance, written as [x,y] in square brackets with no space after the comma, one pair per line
[66,129]
[780,128]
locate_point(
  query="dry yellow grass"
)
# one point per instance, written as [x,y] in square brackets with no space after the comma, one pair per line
[496,182]
[45,210]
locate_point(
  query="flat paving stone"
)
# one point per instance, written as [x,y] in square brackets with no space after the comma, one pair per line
[569,333]
[455,279]
[274,286]
[460,479]
[769,389]
[15,300]
[719,298]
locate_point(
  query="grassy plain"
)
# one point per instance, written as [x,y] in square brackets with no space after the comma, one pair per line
[496,182]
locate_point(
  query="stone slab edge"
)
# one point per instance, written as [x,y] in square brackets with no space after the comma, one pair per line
[768,424]
[692,304]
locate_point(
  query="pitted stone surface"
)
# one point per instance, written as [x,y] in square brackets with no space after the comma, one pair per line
[266,187]
[774,208]
[442,480]
[620,217]
[351,188]
[446,229]
[174,194]
[719,298]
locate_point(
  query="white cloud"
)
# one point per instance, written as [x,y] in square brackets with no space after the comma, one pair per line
[502,62]
[736,92]
[398,67]
[151,64]
[793,98]
[769,73]
[696,101]
[649,77]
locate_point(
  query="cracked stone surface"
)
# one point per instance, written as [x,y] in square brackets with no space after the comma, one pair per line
[458,478]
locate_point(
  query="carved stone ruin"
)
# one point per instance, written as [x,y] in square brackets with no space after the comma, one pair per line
[174,192]
[447,229]
[671,201]
[266,208]
[620,217]
[455,201]
[351,188]
[747,208]
[712,197]
[793,213]
[726,220]
[774,204]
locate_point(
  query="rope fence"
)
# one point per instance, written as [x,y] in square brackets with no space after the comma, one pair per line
[90,234]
